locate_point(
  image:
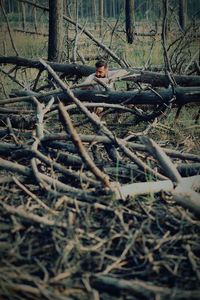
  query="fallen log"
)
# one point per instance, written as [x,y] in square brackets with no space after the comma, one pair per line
[159,96]
[181,96]
[161,79]
[134,74]
[69,69]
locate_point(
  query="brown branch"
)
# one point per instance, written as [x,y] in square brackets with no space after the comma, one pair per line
[31,32]
[79,145]
[74,175]
[49,181]
[11,131]
[25,214]
[33,196]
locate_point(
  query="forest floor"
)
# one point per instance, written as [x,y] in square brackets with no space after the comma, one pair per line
[63,234]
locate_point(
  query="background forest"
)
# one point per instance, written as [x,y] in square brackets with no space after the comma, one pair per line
[107,19]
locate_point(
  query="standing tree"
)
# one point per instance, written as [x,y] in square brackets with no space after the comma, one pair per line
[101,6]
[129,10]
[94,12]
[182,13]
[55,30]
[23,16]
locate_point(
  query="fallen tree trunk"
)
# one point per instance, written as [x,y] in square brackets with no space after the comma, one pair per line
[69,69]
[135,75]
[161,79]
[183,95]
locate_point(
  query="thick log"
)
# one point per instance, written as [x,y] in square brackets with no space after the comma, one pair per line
[161,79]
[69,69]
[135,75]
[183,95]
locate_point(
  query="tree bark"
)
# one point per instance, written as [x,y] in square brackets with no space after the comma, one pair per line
[70,69]
[55,30]
[182,13]
[154,78]
[183,95]
[129,21]
[161,79]
[100,17]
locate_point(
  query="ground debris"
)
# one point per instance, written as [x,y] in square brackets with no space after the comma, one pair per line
[86,213]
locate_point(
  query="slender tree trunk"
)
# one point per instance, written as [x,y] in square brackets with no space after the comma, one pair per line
[23,16]
[94,14]
[129,21]
[35,18]
[55,30]
[81,10]
[75,5]
[165,10]
[113,9]
[182,13]
[101,17]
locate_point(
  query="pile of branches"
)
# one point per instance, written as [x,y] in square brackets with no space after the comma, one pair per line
[91,215]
